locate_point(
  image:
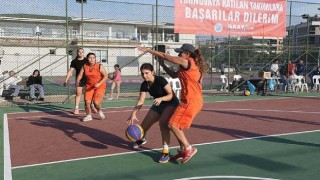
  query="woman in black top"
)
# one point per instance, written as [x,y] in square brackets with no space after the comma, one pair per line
[76,65]
[35,82]
[164,104]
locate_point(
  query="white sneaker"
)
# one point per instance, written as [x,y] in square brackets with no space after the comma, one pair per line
[110,98]
[101,115]
[87,118]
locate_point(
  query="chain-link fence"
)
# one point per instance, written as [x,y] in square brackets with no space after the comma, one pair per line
[45,35]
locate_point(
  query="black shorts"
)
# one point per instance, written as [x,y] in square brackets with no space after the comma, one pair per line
[83,82]
[159,109]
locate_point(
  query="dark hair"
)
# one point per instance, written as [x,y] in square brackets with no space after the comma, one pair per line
[117,65]
[146,66]
[36,71]
[200,62]
[91,53]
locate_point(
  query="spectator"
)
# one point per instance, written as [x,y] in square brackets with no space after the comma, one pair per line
[300,68]
[274,68]
[116,81]
[1,81]
[35,82]
[12,83]
[314,72]
[222,67]
[237,69]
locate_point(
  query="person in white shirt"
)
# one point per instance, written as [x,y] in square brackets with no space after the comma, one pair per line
[12,83]
[274,68]
[1,81]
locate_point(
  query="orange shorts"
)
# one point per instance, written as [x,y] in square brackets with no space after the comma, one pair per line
[95,94]
[185,113]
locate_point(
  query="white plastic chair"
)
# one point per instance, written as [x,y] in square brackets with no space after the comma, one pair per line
[316,82]
[225,82]
[236,77]
[176,86]
[300,84]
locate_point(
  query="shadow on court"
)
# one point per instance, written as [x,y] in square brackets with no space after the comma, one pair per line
[102,139]
[264,117]
[245,134]
[259,162]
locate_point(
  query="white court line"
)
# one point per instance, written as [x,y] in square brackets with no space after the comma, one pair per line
[6,150]
[132,152]
[150,105]
[226,177]
[267,110]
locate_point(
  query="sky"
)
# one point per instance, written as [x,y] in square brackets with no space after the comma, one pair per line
[109,9]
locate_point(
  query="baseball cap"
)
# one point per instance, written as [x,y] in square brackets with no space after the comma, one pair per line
[185,47]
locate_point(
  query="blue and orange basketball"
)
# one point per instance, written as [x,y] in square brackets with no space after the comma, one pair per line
[134,132]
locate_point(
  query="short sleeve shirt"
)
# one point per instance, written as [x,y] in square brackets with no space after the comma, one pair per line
[156,89]
[77,65]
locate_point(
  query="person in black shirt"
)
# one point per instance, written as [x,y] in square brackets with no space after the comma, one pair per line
[35,82]
[76,65]
[164,104]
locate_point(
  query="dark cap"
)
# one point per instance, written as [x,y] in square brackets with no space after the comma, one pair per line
[185,47]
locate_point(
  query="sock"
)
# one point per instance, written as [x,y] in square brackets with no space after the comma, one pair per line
[189,148]
[165,149]
[77,107]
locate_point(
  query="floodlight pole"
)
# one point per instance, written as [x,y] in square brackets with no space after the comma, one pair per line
[38,33]
[306,16]
[81,1]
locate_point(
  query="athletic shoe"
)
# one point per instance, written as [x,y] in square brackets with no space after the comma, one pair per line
[164,158]
[178,156]
[76,111]
[94,109]
[139,143]
[101,115]
[188,154]
[110,98]
[87,118]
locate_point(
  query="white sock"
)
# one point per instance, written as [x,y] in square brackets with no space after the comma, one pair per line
[189,148]
[165,149]
[77,107]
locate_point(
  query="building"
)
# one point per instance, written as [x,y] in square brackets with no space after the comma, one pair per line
[29,42]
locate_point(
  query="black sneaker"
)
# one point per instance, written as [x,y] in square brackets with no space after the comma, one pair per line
[139,143]
[32,99]
[41,99]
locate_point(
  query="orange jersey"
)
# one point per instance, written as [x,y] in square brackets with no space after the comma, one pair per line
[190,82]
[93,75]
[191,100]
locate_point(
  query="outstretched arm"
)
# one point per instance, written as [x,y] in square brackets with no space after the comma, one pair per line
[171,73]
[133,116]
[177,60]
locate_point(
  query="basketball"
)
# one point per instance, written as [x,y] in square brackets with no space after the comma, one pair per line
[134,132]
[246,93]
[111,76]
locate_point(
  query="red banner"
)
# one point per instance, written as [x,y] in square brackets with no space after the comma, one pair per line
[231,17]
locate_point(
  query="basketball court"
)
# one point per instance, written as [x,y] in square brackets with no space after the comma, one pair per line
[237,138]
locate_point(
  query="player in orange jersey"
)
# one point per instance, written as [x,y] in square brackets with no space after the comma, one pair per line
[95,86]
[192,67]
